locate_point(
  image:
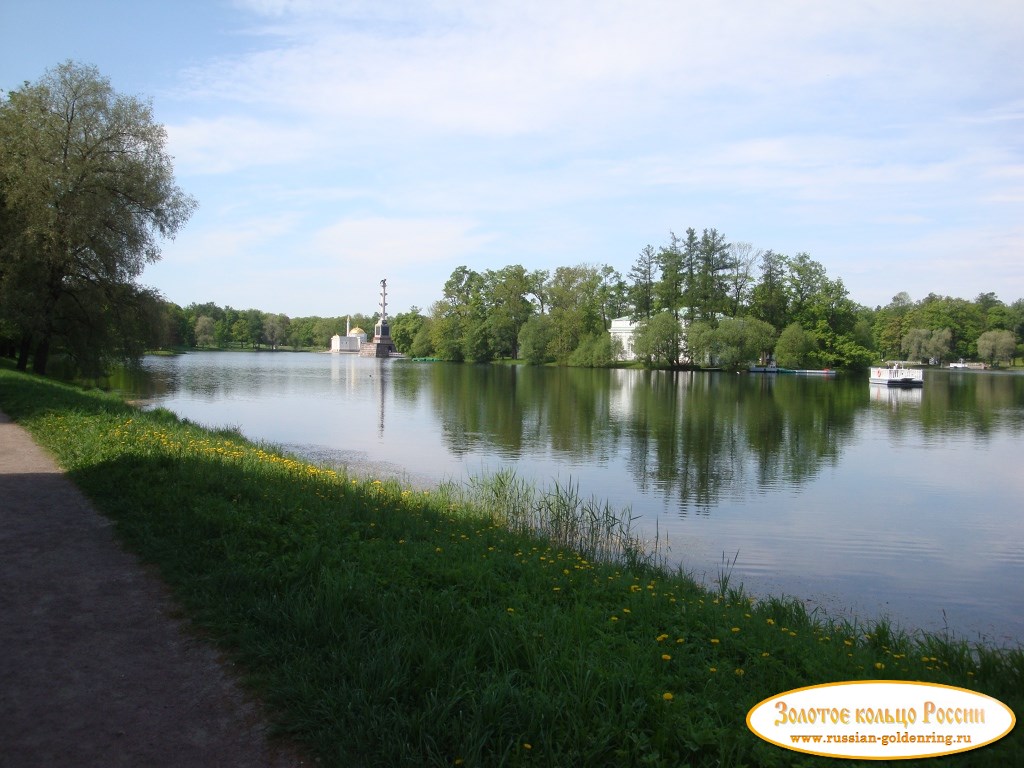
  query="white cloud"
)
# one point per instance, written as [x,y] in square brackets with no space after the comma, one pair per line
[226,144]
[221,238]
[397,242]
[517,68]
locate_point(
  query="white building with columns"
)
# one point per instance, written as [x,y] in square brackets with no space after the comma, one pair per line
[622,329]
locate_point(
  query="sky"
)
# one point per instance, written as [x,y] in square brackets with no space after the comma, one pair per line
[332,143]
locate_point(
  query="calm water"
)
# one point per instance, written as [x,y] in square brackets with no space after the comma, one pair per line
[860,500]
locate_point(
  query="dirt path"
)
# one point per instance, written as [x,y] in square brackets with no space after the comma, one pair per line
[95,670]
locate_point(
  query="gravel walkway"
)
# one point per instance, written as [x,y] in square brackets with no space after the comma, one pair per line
[95,667]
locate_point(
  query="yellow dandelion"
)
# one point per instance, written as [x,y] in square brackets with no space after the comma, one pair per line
[739,672]
[771,622]
[667,696]
[666,657]
[735,629]
[712,669]
[510,610]
[527,745]
[879,665]
[765,654]
[715,641]
[659,638]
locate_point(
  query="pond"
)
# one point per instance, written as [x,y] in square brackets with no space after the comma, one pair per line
[861,500]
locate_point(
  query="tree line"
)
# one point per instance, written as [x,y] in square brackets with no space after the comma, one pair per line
[699,299]
[946,328]
[209,326]
[696,299]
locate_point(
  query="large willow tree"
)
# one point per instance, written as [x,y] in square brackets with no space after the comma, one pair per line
[86,193]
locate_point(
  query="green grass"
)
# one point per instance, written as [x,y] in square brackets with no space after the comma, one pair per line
[493,624]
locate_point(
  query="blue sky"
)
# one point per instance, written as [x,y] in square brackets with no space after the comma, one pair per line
[331,144]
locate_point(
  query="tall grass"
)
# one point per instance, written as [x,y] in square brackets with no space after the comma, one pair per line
[558,514]
[495,624]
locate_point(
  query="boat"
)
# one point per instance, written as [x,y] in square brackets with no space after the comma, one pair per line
[769,368]
[897,376]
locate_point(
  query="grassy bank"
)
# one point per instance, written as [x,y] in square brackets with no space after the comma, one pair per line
[386,626]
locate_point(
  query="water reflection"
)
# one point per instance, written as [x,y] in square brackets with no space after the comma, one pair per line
[895,397]
[822,485]
[696,437]
[692,437]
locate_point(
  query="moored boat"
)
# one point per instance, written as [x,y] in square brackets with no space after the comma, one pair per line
[897,376]
[769,368]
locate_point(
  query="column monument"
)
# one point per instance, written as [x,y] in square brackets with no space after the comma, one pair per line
[382,345]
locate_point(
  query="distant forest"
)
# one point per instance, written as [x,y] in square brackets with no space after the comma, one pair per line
[697,298]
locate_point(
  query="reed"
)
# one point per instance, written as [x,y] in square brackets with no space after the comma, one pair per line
[559,514]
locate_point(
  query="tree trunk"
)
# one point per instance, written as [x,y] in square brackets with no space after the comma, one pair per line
[41,356]
[23,351]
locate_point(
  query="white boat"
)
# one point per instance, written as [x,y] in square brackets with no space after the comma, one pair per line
[897,376]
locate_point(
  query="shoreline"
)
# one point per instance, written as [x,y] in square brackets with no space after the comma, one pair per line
[370,615]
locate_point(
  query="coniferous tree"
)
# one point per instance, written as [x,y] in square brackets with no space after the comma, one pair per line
[770,300]
[670,290]
[643,277]
[710,286]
